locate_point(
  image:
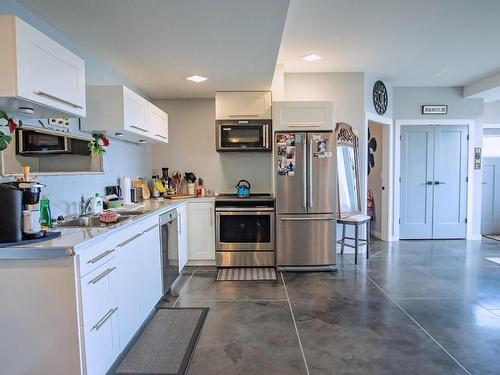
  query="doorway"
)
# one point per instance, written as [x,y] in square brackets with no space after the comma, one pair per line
[490,207]
[433,182]
[377,169]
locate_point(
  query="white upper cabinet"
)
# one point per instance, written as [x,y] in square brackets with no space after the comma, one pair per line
[135,112]
[158,123]
[243,105]
[121,113]
[38,73]
[303,115]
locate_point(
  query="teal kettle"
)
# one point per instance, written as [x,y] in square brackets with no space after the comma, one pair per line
[243,188]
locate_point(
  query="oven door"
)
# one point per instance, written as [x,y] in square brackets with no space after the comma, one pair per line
[244,229]
[243,136]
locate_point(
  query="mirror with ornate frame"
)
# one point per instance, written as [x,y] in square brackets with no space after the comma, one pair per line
[348,194]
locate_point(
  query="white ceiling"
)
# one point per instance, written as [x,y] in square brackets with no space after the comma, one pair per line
[408,42]
[156,44]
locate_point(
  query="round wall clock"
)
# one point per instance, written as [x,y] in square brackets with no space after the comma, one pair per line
[380,97]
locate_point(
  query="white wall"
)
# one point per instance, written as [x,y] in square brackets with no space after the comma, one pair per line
[122,158]
[192,148]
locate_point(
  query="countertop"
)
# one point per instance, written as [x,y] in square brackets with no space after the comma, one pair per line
[75,237]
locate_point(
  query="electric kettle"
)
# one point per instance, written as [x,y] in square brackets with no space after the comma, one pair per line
[243,188]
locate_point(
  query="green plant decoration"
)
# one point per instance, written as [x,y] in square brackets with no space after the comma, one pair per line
[5,139]
[98,144]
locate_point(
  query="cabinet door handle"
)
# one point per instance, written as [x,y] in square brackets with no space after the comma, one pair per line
[57,99]
[211,216]
[102,275]
[244,115]
[100,256]
[104,319]
[139,128]
[180,222]
[161,136]
[130,239]
[438,183]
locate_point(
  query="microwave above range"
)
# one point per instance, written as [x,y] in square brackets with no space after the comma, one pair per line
[243,135]
[39,142]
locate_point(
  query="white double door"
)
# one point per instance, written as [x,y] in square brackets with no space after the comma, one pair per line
[433,182]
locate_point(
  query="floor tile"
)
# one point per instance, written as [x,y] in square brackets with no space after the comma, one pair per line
[203,286]
[247,338]
[469,332]
[358,330]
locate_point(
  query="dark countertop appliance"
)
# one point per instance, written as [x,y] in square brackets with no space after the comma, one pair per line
[30,209]
[11,199]
[244,231]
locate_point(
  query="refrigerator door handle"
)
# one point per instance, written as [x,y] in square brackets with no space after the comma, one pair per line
[310,169]
[304,150]
[308,218]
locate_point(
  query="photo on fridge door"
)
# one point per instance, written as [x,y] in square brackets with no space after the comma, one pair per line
[320,150]
[285,146]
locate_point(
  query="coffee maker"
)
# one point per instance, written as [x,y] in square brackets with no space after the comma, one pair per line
[30,214]
[11,201]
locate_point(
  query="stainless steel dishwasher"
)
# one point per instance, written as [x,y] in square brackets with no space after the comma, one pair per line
[169,250]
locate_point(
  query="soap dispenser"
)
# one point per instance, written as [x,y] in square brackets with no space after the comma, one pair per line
[97,205]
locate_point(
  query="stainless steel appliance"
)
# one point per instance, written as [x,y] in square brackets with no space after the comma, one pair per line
[46,142]
[305,180]
[245,231]
[243,135]
[169,250]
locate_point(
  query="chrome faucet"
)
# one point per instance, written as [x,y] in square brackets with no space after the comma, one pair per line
[85,206]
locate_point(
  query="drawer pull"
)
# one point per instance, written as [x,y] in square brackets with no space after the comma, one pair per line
[100,256]
[104,319]
[151,228]
[102,275]
[57,99]
[130,239]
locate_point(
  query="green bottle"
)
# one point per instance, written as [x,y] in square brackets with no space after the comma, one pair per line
[45,215]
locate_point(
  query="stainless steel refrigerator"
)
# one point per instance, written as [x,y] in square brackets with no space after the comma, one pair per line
[305,185]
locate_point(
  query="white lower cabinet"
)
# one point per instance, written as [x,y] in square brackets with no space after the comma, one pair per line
[150,278]
[118,295]
[100,318]
[182,235]
[139,279]
[201,231]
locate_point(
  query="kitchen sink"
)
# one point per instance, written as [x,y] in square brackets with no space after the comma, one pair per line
[90,222]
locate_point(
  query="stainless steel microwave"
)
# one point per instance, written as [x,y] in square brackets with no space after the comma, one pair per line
[32,142]
[243,135]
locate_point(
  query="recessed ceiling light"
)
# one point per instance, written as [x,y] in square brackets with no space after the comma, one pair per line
[196,78]
[439,73]
[311,57]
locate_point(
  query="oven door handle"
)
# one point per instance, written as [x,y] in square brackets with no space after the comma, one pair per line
[244,209]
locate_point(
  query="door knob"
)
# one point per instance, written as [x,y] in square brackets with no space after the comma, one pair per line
[429,183]
[438,183]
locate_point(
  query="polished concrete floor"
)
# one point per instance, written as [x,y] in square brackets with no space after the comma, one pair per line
[415,307]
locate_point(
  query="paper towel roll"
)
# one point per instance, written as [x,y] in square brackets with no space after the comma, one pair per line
[125,185]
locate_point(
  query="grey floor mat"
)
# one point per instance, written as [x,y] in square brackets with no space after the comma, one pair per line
[166,344]
[246,274]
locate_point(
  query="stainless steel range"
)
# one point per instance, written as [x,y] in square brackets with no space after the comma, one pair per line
[244,231]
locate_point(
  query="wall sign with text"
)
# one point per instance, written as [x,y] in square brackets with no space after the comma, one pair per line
[434,109]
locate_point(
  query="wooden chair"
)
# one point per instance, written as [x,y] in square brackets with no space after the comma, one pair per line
[357,221]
